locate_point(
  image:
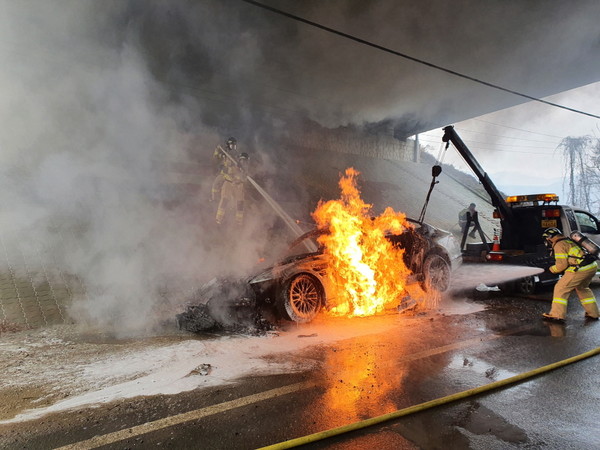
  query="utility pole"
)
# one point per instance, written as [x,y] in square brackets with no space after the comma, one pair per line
[416,150]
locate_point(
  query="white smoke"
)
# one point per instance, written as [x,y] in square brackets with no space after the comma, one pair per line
[88,140]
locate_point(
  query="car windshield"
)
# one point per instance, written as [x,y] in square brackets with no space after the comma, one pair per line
[306,243]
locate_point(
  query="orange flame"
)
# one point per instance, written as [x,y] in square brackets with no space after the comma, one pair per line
[369,271]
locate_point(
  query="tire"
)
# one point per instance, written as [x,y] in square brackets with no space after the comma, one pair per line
[436,273]
[525,285]
[302,298]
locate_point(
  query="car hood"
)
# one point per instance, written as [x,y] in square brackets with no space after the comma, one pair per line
[287,265]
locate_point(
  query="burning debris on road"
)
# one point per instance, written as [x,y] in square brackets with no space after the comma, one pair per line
[224,305]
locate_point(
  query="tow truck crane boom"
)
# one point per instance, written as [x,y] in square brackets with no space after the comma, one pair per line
[506,213]
[523,219]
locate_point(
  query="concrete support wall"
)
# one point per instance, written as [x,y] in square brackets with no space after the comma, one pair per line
[347,140]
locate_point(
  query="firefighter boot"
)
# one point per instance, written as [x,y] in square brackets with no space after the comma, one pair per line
[591,309]
[558,312]
[552,318]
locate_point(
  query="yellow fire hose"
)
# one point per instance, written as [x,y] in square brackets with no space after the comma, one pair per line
[427,405]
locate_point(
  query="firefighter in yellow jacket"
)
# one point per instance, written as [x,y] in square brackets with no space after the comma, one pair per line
[578,271]
[232,192]
[220,158]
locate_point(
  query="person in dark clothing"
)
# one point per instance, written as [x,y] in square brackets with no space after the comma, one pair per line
[463,219]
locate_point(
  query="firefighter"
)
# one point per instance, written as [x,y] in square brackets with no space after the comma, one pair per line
[466,218]
[232,192]
[220,158]
[578,271]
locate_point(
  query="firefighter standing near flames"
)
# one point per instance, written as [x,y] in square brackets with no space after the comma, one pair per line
[232,192]
[221,159]
[578,271]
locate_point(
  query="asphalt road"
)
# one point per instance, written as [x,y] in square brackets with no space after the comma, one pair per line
[405,361]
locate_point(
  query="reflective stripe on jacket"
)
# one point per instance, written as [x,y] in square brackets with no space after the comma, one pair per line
[568,255]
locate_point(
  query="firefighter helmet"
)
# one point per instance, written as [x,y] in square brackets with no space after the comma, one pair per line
[244,155]
[548,234]
[231,141]
[551,232]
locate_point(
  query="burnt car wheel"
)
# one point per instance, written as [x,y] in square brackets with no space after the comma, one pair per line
[436,274]
[302,298]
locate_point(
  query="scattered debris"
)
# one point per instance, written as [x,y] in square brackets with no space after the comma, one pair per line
[224,305]
[202,369]
[196,318]
[491,373]
[307,335]
[407,303]
[483,288]
[10,327]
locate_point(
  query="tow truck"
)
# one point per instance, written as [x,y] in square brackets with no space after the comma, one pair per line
[523,218]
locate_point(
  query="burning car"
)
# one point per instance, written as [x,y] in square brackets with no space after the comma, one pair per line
[301,284]
[352,264]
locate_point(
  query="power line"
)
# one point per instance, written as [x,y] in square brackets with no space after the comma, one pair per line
[462,130]
[487,146]
[518,129]
[412,58]
[503,145]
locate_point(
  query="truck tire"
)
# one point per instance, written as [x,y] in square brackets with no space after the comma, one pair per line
[301,298]
[525,285]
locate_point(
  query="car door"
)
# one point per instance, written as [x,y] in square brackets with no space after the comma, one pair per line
[588,225]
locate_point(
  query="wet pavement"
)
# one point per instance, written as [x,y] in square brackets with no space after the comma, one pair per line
[393,362]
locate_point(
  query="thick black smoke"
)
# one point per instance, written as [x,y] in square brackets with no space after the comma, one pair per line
[241,64]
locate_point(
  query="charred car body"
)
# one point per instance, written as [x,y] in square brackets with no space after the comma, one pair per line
[299,286]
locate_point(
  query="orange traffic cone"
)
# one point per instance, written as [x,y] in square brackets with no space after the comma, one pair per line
[496,245]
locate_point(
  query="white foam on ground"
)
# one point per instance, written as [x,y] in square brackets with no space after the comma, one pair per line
[148,367]
[168,369]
